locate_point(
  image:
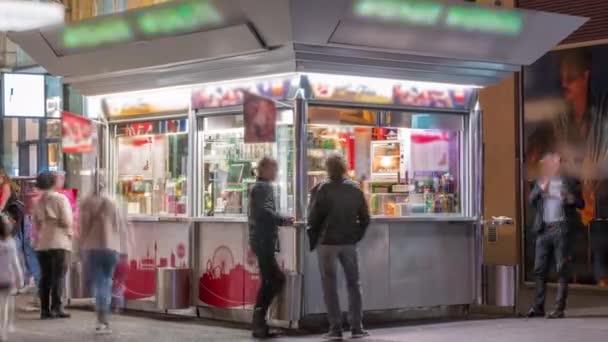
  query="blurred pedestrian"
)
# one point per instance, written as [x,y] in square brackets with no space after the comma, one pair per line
[102,227]
[72,196]
[556,200]
[264,222]
[338,219]
[119,283]
[11,277]
[8,190]
[53,222]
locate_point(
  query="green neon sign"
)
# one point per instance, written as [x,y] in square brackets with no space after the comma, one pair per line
[411,11]
[485,20]
[111,30]
[447,16]
[181,17]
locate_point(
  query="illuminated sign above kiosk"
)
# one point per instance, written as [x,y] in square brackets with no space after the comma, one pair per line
[178,18]
[444,16]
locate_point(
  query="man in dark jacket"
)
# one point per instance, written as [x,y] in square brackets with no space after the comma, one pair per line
[264,222]
[556,200]
[339,216]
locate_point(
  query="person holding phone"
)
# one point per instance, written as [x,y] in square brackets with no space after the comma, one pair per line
[556,200]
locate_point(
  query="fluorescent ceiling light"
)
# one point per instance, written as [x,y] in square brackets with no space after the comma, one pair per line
[28,15]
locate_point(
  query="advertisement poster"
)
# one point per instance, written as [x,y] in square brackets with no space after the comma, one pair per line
[430,151]
[145,103]
[233,94]
[260,118]
[384,91]
[76,133]
[566,110]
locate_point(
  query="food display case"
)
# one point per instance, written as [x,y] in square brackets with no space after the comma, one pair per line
[151,169]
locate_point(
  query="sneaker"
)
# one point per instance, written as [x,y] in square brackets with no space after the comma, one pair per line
[103,329]
[62,314]
[359,334]
[556,314]
[532,313]
[333,336]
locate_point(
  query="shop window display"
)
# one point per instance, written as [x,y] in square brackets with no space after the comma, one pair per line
[152,167]
[404,170]
[229,164]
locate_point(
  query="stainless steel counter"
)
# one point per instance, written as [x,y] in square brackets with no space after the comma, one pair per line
[407,264]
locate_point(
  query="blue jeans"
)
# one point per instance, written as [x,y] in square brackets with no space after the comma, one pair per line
[30,258]
[101,264]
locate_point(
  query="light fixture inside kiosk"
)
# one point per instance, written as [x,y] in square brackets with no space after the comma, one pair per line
[409,166]
[151,168]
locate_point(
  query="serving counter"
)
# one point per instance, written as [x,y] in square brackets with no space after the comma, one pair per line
[420,263]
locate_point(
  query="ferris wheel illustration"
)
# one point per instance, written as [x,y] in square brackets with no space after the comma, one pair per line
[221,263]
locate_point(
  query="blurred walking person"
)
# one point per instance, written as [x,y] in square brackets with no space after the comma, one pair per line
[338,220]
[264,222]
[11,277]
[53,222]
[556,200]
[102,231]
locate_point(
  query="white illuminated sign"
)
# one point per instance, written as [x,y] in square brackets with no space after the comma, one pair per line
[23,95]
[27,15]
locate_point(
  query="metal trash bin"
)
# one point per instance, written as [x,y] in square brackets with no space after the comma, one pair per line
[500,285]
[172,288]
[78,287]
[287,305]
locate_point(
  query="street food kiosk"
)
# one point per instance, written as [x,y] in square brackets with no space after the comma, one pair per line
[390,84]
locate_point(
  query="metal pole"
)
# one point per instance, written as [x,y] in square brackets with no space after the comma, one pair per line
[300,181]
[478,169]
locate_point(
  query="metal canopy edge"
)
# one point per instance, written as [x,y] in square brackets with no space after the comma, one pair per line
[277,36]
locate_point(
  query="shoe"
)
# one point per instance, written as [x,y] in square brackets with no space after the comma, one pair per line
[103,329]
[265,334]
[333,336]
[359,334]
[61,314]
[46,316]
[535,313]
[556,314]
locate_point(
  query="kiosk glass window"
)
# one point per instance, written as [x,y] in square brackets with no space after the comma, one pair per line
[409,166]
[229,164]
[151,167]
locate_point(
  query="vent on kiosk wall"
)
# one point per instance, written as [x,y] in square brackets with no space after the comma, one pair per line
[597,10]
[492,234]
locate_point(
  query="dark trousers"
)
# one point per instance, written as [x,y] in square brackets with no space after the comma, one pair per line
[272,281]
[53,266]
[552,243]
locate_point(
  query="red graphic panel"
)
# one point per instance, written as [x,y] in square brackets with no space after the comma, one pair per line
[154,246]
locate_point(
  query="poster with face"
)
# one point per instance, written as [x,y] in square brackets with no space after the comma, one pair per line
[260,116]
[566,111]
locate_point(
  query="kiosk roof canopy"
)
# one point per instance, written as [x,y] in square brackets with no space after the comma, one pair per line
[195,41]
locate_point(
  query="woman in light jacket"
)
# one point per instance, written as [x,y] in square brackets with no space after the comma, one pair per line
[53,221]
[103,230]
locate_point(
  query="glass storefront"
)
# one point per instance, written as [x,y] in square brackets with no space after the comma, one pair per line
[408,166]
[229,164]
[151,167]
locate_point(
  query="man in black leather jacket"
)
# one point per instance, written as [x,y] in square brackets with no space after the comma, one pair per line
[264,222]
[556,200]
[339,217]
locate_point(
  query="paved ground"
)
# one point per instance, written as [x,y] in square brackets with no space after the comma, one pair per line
[588,328]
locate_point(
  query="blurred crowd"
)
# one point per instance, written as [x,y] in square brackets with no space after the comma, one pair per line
[38,246]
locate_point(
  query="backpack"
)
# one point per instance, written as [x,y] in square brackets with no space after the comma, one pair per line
[15,209]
